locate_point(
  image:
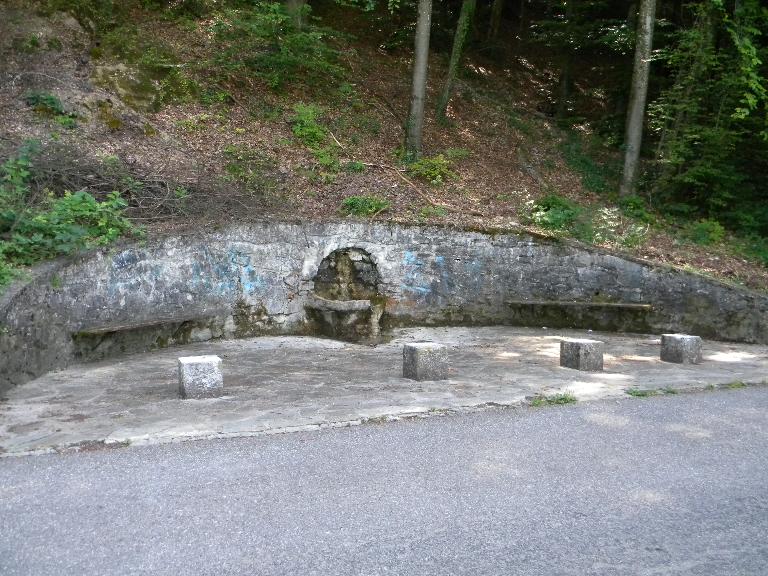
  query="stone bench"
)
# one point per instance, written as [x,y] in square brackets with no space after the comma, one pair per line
[111,338]
[602,316]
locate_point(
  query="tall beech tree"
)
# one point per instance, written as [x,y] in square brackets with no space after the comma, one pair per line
[415,126]
[459,40]
[633,135]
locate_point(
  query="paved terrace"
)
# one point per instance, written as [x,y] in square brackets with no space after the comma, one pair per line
[281,384]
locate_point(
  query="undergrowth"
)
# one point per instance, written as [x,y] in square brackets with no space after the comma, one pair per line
[604,225]
[436,169]
[262,39]
[363,205]
[306,127]
[33,229]
[50,106]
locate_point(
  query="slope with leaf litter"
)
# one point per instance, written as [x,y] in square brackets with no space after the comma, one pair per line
[169,115]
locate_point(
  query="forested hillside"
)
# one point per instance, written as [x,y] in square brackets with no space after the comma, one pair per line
[636,125]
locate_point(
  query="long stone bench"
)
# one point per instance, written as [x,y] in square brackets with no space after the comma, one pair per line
[105,340]
[608,316]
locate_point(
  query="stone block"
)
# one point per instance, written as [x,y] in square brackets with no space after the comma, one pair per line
[200,377]
[582,354]
[681,348]
[425,361]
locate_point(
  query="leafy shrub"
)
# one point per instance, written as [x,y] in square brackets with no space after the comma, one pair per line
[263,40]
[33,231]
[47,104]
[308,130]
[595,176]
[435,170]
[363,205]
[44,102]
[456,153]
[305,125]
[704,232]
[433,212]
[354,166]
[756,247]
[553,212]
[634,207]
[69,223]
[610,228]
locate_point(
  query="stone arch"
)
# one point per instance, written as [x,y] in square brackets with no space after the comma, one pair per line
[346,301]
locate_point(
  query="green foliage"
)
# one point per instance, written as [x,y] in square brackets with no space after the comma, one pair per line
[553,212]
[754,247]
[49,105]
[596,177]
[597,226]
[433,212]
[305,125]
[640,392]
[634,207]
[436,169]
[307,129]
[14,185]
[714,111]
[363,205]
[553,400]
[354,166]
[261,39]
[704,232]
[251,168]
[608,227]
[63,226]
[33,231]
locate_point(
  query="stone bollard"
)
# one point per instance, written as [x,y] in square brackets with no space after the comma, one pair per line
[581,354]
[200,377]
[425,361]
[681,348]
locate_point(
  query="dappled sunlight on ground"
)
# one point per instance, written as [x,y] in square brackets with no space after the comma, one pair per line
[730,356]
[291,383]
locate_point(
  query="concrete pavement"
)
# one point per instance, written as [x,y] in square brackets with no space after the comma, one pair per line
[666,485]
[283,384]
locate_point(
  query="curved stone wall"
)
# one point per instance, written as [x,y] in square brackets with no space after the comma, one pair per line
[255,279]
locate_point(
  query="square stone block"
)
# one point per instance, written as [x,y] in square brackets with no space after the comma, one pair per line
[681,348]
[200,377]
[582,354]
[425,361]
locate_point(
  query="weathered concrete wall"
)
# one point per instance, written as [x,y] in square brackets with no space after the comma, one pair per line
[255,279]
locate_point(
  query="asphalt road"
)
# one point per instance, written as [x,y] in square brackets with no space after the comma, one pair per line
[667,485]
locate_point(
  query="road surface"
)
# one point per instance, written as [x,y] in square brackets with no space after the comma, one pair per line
[644,486]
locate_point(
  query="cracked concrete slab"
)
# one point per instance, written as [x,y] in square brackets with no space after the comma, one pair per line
[280,384]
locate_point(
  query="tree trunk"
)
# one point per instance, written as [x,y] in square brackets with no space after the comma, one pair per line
[295,9]
[459,39]
[497,9]
[566,72]
[637,97]
[415,126]
[566,83]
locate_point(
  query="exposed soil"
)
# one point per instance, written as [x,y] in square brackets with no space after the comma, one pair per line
[192,154]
